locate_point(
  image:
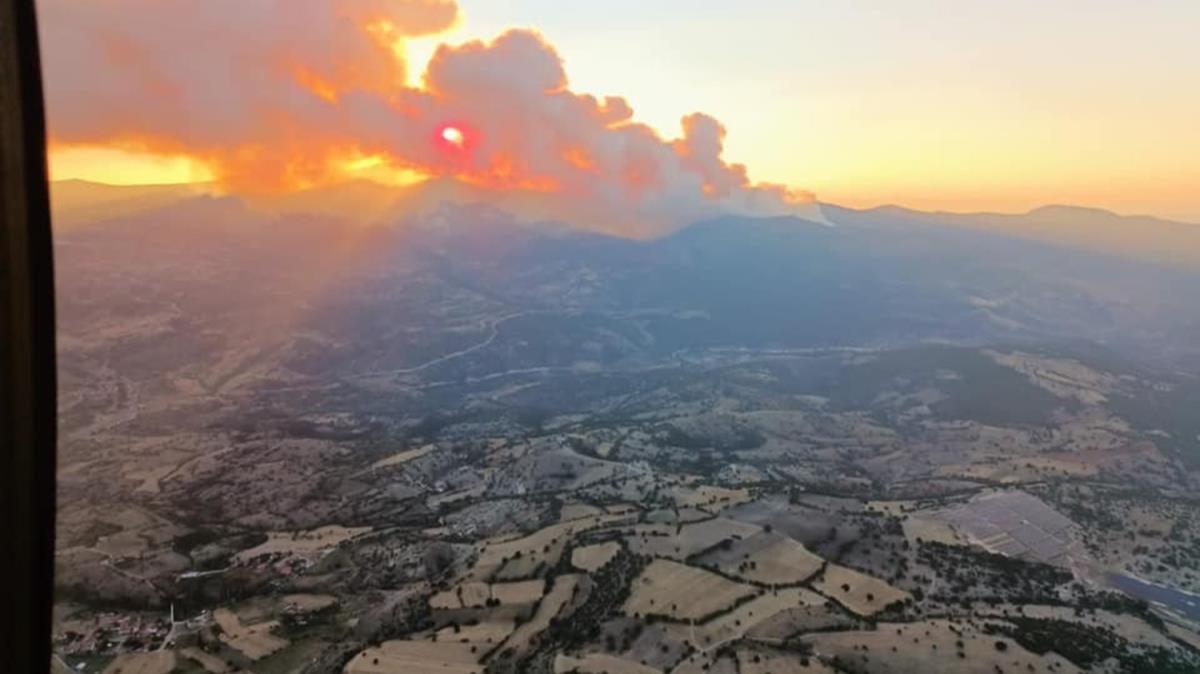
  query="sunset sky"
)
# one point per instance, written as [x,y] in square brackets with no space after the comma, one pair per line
[932,104]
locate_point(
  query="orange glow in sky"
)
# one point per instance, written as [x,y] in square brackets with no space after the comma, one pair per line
[933,105]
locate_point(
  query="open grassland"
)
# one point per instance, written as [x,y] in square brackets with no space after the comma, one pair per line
[253,641]
[862,594]
[599,663]
[766,558]
[415,657]
[682,592]
[931,646]
[302,542]
[592,557]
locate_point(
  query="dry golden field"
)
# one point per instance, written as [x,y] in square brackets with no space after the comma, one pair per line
[577,511]
[551,605]
[736,623]
[689,539]
[866,595]
[682,592]
[415,657]
[766,558]
[476,595]
[517,557]
[404,457]
[253,641]
[592,557]
[766,661]
[302,542]
[599,663]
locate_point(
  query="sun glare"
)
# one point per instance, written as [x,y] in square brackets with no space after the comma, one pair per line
[453,135]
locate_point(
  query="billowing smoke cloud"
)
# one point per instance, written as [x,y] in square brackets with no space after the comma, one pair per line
[281,94]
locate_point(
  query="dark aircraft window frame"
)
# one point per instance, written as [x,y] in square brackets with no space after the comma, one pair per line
[27,369]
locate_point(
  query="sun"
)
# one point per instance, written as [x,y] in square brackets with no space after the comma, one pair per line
[453,135]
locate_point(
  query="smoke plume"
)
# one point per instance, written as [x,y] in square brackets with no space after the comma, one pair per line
[276,95]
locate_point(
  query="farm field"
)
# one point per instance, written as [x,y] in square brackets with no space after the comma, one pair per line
[862,594]
[768,558]
[254,641]
[477,595]
[308,603]
[483,634]
[417,657]
[302,542]
[735,623]
[401,458]
[599,663]
[682,592]
[551,605]
[683,541]
[767,661]
[516,558]
[578,511]
[710,498]
[592,557]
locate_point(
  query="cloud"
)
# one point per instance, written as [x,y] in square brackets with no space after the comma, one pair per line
[280,94]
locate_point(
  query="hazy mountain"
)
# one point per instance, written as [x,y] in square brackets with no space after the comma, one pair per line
[1134,236]
[878,278]
[79,202]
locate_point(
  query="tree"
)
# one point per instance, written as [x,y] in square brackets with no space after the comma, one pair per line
[438,558]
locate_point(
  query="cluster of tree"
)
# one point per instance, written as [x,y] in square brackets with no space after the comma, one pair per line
[971,572]
[1089,645]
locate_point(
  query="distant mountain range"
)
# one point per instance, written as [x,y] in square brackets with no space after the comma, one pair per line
[77,202]
[880,277]
[1136,236]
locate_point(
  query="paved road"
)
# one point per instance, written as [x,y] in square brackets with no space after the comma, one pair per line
[1183,603]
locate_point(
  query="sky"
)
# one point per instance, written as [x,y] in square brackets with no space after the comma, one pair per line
[961,105]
